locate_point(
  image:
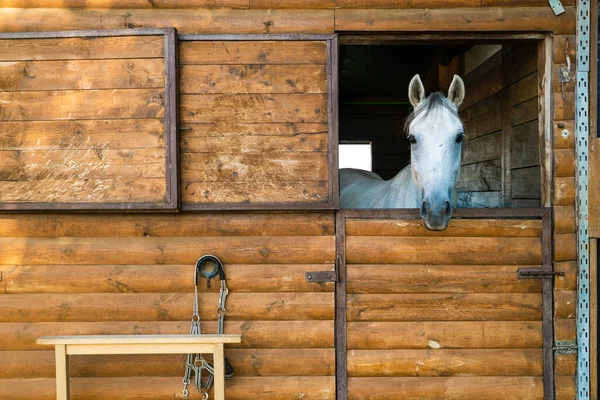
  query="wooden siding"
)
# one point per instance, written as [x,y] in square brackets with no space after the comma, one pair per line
[83,120]
[112,274]
[255,122]
[445,322]
[500,165]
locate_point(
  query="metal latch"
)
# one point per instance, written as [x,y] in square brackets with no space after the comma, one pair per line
[565,347]
[320,276]
[537,273]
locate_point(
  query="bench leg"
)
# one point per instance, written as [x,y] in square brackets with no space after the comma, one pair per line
[219,360]
[62,372]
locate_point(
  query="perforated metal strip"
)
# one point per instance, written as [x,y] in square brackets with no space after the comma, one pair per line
[581,148]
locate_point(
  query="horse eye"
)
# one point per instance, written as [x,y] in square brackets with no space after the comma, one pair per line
[460,137]
[412,139]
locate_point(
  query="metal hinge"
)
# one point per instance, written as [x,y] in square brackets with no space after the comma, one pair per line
[537,273]
[320,276]
[556,6]
[565,347]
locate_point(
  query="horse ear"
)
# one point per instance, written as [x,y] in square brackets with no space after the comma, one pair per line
[456,93]
[416,91]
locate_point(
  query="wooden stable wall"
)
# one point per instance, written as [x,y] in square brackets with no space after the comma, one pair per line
[133,274]
[454,322]
[500,165]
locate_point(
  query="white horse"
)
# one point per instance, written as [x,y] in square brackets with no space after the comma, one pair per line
[435,132]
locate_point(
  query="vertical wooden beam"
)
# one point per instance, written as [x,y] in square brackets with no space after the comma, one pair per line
[594,318]
[219,365]
[506,138]
[545,130]
[341,371]
[548,307]
[62,372]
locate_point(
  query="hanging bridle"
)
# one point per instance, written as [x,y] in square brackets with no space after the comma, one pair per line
[195,363]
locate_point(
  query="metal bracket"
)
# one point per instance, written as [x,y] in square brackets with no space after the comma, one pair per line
[537,273]
[556,6]
[565,347]
[320,276]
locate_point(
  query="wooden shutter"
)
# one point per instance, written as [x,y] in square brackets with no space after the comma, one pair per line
[87,120]
[258,122]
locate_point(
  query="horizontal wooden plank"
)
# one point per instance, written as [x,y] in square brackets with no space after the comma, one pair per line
[164,307]
[445,335]
[523,90]
[565,364]
[252,78]
[254,167]
[437,279]
[434,363]
[82,74]
[489,388]
[564,191]
[564,219]
[254,192]
[126,3]
[525,183]
[484,176]
[520,61]
[253,108]
[565,304]
[82,135]
[564,162]
[404,4]
[484,124]
[177,225]
[156,388]
[456,19]
[565,329]
[450,250]
[252,52]
[524,112]
[167,250]
[484,81]
[255,144]
[484,106]
[186,21]
[569,280]
[246,362]
[479,199]
[19,158]
[285,4]
[524,146]
[444,307]
[89,167]
[110,190]
[231,129]
[241,278]
[98,48]
[68,105]
[255,334]
[484,148]
[521,3]
[565,247]
[457,228]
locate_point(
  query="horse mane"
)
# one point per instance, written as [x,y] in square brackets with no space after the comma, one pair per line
[433,101]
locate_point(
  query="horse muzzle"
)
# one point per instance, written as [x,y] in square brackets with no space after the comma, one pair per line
[436,214]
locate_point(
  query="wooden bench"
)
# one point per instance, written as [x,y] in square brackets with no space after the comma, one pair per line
[137,344]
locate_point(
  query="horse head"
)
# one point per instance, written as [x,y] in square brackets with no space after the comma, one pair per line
[435,132]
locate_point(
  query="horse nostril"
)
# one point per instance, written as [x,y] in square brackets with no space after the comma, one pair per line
[448,210]
[423,209]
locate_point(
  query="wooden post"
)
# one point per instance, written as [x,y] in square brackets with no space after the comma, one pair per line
[219,360]
[62,372]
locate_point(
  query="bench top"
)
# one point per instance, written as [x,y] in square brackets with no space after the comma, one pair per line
[138,339]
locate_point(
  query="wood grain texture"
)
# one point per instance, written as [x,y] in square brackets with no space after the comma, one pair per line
[186,21]
[82,74]
[565,329]
[483,176]
[564,191]
[569,280]
[437,279]
[252,52]
[414,250]
[565,364]
[565,304]
[255,334]
[68,105]
[435,363]
[391,4]
[524,146]
[268,388]
[99,48]
[239,145]
[445,307]
[456,19]
[457,228]
[246,362]
[565,247]
[252,78]
[524,89]
[524,112]
[484,124]
[564,106]
[490,388]
[564,219]
[525,183]
[162,225]
[445,335]
[163,307]
[241,278]
[564,162]
[82,134]
[126,4]
[252,108]
[484,148]
[166,250]
[230,129]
